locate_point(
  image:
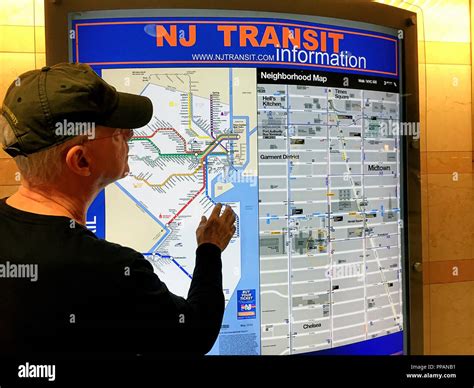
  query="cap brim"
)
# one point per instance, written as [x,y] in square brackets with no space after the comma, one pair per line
[131,112]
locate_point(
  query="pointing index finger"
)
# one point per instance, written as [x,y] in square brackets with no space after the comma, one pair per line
[217,211]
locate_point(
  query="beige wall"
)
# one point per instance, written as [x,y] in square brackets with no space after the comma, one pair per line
[444,31]
[21,49]
[447,180]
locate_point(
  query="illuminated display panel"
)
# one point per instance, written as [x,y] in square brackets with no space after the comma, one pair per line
[294,122]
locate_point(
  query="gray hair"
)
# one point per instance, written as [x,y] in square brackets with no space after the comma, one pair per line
[43,167]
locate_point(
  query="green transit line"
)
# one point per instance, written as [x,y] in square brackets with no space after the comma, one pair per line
[172,155]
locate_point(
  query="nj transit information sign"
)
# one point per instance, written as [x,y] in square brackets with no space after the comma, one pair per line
[287,119]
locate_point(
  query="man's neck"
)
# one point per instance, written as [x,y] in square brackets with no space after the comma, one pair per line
[51,202]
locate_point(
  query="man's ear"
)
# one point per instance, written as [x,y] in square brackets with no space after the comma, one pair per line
[77,160]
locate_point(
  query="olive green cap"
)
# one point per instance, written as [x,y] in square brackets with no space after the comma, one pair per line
[67,92]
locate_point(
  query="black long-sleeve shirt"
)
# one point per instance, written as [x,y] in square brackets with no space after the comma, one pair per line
[92,296]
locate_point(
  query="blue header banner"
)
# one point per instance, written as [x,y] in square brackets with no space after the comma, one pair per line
[236,42]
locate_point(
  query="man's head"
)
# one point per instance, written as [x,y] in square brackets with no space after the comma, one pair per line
[65,123]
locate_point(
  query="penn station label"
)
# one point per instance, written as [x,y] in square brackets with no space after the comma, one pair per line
[280,157]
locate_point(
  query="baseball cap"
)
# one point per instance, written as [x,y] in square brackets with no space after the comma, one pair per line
[70,92]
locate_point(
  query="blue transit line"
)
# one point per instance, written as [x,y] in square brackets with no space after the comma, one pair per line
[152,250]
[207,183]
[139,204]
[154,247]
[247,160]
[157,254]
[247,135]
[182,269]
[247,140]
[247,156]
[173,260]
[213,193]
[145,88]
[147,212]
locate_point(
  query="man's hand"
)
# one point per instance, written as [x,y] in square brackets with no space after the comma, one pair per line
[218,229]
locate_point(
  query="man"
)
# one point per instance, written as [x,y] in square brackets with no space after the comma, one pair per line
[80,294]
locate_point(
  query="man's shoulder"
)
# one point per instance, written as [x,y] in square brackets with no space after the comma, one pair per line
[105,253]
